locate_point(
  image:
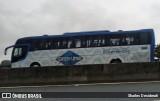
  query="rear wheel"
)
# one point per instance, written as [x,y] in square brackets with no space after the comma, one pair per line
[116,61]
[35,65]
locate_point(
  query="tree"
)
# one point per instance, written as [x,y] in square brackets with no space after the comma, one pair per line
[6,63]
[157,51]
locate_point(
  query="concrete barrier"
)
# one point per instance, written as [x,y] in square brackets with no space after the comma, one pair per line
[127,72]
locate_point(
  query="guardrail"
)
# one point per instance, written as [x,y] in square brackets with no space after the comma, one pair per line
[99,73]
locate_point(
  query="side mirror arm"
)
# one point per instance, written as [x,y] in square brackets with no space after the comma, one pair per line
[5,52]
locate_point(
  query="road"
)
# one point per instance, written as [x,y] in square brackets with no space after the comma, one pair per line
[102,87]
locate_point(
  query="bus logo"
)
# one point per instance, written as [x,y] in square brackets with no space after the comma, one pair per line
[69,58]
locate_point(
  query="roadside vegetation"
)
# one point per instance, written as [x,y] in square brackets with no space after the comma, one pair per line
[5,63]
[157,51]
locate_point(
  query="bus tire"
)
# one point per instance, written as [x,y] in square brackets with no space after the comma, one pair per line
[35,64]
[116,61]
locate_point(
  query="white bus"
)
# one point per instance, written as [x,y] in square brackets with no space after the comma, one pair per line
[81,48]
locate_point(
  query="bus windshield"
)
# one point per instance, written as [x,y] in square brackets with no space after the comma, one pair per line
[19,52]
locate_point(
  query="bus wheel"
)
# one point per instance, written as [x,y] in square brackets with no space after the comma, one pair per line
[35,64]
[116,61]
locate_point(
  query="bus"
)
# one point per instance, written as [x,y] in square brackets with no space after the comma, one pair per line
[83,48]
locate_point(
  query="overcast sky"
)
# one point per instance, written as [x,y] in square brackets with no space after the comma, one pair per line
[21,18]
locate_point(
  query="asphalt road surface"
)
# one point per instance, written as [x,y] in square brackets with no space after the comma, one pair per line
[115,88]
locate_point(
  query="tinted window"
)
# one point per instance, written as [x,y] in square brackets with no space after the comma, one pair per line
[43,44]
[88,41]
[74,42]
[58,43]
[35,45]
[39,44]
[52,44]
[145,38]
[130,39]
[93,41]
[115,40]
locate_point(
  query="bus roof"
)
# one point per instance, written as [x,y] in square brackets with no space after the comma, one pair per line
[87,33]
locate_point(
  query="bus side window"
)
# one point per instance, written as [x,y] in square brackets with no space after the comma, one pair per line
[101,42]
[98,42]
[115,42]
[124,41]
[130,39]
[43,44]
[93,43]
[136,39]
[69,44]
[55,44]
[64,44]
[107,40]
[145,38]
[35,45]
[78,43]
[89,42]
[83,42]
[60,46]
[52,44]
[73,44]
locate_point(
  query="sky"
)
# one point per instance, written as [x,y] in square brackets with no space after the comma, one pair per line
[22,18]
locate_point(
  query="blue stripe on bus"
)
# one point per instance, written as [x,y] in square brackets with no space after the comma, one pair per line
[152,46]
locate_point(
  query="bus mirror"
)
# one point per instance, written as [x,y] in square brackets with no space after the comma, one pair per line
[5,52]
